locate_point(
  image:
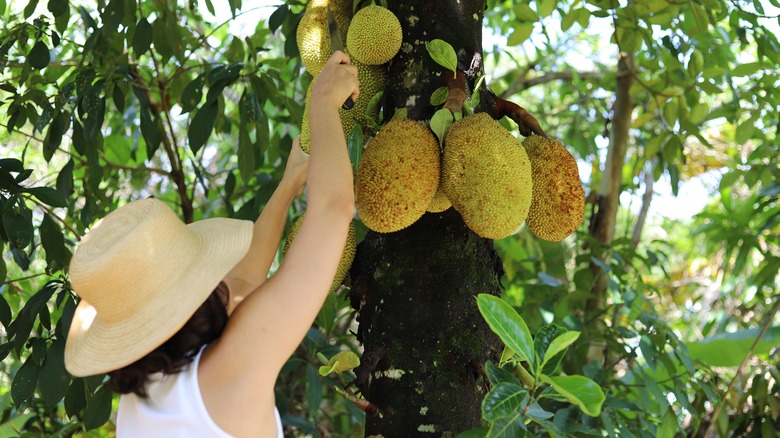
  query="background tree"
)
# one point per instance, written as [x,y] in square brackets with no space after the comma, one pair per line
[127,99]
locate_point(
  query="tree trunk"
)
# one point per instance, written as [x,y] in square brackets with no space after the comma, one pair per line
[424,338]
[602,226]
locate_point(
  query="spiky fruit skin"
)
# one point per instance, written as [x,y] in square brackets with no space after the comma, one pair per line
[557,200]
[347,256]
[374,35]
[312,34]
[439,202]
[305,138]
[486,175]
[398,176]
[372,79]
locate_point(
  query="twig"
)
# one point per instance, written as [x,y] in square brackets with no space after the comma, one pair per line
[526,123]
[48,210]
[456,84]
[717,411]
[16,280]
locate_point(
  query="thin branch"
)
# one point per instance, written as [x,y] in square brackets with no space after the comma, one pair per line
[526,123]
[716,413]
[16,280]
[545,78]
[48,210]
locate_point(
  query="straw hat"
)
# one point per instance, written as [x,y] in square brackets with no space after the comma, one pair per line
[141,273]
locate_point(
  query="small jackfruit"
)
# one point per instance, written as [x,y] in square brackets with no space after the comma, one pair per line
[439,202]
[374,35]
[305,138]
[486,175]
[557,200]
[347,256]
[312,34]
[398,176]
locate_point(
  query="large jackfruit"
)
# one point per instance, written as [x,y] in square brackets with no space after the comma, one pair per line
[398,176]
[374,35]
[557,201]
[347,257]
[312,34]
[372,79]
[486,175]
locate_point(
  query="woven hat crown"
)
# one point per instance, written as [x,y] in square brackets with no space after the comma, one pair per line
[141,273]
[138,250]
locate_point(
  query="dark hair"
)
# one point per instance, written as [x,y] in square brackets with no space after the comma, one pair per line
[204,326]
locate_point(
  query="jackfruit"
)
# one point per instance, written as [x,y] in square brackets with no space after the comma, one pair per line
[312,34]
[398,176]
[486,175]
[557,200]
[439,202]
[347,256]
[372,79]
[374,35]
[305,138]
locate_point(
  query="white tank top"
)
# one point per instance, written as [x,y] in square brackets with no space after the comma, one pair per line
[174,408]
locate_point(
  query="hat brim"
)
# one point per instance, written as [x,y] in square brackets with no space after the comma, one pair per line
[95,346]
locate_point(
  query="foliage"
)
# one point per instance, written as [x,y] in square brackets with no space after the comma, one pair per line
[106,104]
[509,407]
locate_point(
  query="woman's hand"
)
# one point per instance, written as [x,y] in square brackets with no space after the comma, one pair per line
[297,167]
[336,82]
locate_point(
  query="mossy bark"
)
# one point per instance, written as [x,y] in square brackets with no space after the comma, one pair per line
[425,341]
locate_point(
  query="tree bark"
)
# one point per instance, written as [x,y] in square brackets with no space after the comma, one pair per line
[602,226]
[425,342]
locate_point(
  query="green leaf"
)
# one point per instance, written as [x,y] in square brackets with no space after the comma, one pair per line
[745,130]
[546,7]
[5,309]
[400,114]
[38,57]
[54,379]
[113,14]
[13,427]
[24,382]
[498,375]
[142,39]
[313,391]
[440,123]
[443,53]
[277,17]
[503,400]
[580,391]
[18,226]
[549,280]
[508,325]
[355,145]
[508,427]
[192,94]
[246,154]
[746,69]
[523,12]
[340,362]
[559,344]
[74,398]
[729,349]
[521,32]
[98,408]
[544,336]
[57,254]
[202,125]
[49,196]
[700,16]
[439,96]
[480,432]
[54,135]
[668,427]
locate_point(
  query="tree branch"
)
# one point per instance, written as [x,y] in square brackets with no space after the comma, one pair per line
[498,108]
[456,84]
[545,78]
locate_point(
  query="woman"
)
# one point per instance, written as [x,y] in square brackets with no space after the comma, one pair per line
[156,294]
